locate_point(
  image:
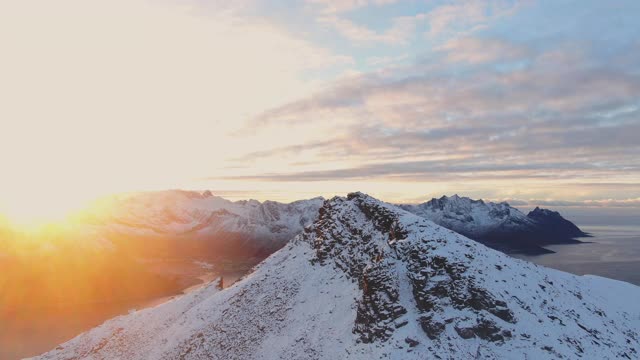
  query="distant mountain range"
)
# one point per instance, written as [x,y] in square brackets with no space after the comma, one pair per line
[499,225]
[192,222]
[368,280]
[252,227]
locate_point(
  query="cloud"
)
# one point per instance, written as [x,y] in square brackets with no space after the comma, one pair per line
[466,17]
[551,119]
[537,93]
[401,29]
[339,6]
[590,203]
[478,51]
[332,15]
[387,61]
[451,19]
[422,170]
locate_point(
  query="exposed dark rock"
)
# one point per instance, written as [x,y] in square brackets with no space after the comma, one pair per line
[378,307]
[383,219]
[353,251]
[484,329]
[458,287]
[412,342]
[432,328]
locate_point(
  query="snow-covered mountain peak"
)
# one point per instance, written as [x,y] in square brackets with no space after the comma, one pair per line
[369,280]
[498,224]
[469,216]
[418,279]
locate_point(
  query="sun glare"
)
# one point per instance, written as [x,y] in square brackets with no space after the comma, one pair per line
[33,212]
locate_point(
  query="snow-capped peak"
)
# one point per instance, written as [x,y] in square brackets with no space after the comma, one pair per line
[498,224]
[469,216]
[369,280]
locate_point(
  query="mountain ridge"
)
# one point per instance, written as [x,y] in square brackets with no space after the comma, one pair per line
[370,280]
[499,225]
[210,223]
[263,227]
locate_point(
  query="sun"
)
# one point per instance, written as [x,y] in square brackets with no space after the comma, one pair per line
[31,211]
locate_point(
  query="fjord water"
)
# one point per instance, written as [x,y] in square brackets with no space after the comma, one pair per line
[612,252]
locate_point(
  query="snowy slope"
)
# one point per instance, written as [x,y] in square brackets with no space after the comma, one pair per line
[368,281]
[266,224]
[498,224]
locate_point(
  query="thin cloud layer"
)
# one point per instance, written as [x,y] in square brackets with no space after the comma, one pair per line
[403,99]
[482,107]
[465,17]
[401,29]
[602,203]
[546,108]
[339,6]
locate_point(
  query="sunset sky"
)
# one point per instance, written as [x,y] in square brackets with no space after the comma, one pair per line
[537,102]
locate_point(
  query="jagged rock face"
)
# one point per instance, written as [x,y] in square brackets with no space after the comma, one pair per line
[354,250]
[368,280]
[498,224]
[372,258]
